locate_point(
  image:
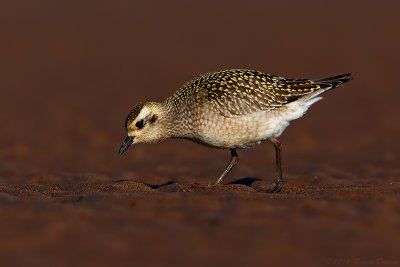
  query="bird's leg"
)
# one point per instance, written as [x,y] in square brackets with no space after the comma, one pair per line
[234,160]
[278,186]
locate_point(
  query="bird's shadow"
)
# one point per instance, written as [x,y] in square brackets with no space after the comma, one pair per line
[156,186]
[152,186]
[248,181]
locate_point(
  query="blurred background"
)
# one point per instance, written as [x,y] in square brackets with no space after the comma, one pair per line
[70,71]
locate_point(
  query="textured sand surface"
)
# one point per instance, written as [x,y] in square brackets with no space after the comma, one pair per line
[70,73]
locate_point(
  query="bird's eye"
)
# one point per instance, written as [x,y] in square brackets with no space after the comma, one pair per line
[140,124]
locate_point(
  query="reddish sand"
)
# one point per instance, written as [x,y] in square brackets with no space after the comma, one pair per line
[70,73]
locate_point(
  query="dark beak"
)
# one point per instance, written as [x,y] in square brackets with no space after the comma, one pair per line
[127,143]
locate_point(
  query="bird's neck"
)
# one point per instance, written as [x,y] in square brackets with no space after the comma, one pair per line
[175,123]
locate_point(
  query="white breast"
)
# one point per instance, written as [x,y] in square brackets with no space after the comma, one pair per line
[249,130]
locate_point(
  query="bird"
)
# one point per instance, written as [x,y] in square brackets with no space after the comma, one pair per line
[230,109]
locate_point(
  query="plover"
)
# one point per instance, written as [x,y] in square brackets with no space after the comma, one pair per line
[231,109]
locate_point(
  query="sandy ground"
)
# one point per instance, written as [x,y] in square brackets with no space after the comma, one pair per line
[69,74]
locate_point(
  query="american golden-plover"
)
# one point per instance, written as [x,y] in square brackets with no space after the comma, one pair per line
[232,109]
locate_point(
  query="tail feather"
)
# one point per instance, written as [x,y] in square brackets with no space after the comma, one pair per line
[334,81]
[293,89]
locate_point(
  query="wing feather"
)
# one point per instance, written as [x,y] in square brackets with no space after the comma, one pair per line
[240,92]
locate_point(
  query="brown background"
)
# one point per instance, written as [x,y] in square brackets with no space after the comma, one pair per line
[70,71]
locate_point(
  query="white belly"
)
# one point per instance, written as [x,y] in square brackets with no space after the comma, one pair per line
[249,130]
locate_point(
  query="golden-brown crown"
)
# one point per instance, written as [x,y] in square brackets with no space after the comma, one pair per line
[134,113]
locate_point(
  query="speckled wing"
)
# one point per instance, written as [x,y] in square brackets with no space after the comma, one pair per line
[241,92]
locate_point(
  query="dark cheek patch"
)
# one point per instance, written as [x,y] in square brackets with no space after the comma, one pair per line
[153,119]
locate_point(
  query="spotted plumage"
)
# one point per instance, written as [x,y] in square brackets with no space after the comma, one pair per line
[239,92]
[228,109]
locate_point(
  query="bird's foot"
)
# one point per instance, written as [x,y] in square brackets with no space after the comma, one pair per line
[277,188]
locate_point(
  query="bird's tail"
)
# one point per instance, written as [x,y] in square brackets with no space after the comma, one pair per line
[317,87]
[334,81]
[310,88]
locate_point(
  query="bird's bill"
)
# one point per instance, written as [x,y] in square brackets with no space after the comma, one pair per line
[126,144]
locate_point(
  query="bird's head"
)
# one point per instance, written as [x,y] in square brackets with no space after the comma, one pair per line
[146,123]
